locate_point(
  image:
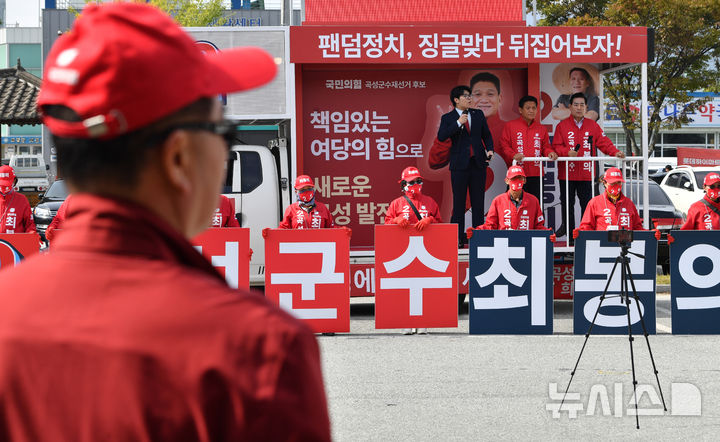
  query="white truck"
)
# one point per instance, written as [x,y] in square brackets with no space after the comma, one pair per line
[31,172]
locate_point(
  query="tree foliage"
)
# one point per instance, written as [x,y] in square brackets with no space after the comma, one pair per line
[186,12]
[687,46]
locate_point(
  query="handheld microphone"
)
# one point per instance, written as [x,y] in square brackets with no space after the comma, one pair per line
[577,147]
[465,112]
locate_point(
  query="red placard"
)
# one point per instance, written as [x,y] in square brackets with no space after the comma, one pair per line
[362,280]
[563,281]
[430,44]
[228,249]
[14,247]
[307,274]
[416,276]
[696,157]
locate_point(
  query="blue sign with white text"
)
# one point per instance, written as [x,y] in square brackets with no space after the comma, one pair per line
[510,285]
[695,282]
[595,258]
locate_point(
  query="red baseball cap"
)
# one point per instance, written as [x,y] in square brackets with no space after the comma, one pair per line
[126,65]
[514,171]
[711,179]
[7,176]
[303,181]
[613,175]
[409,174]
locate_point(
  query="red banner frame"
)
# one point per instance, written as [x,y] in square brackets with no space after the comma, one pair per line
[407,260]
[227,248]
[14,247]
[300,279]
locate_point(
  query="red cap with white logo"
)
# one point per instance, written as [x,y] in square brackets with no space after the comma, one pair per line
[410,173]
[613,175]
[711,179]
[303,181]
[126,65]
[514,171]
[7,176]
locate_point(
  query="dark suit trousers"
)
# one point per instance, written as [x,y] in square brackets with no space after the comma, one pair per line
[583,190]
[532,186]
[472,178]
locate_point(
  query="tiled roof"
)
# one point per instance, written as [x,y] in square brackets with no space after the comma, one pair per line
[402,11]
[18,96]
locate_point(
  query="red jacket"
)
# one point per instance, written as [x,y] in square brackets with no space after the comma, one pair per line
[503,215]
[568,135]
[58,220]
[133,335]
[601,212]
[400,207]
[296,217]
[15,214]
[530,140]
[225,214]
[701,217]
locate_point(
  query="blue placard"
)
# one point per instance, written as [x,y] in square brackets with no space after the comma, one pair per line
[595,257]
[695,282]
[510,283]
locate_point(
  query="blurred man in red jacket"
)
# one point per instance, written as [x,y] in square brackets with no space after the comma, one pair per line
[526,137]
[15,213]
[224,214]
[133,335]
[705,214]
[578,136]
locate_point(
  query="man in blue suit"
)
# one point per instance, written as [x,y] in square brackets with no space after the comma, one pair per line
[470,154]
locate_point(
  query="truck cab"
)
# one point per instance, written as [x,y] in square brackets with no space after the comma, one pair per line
[258,184]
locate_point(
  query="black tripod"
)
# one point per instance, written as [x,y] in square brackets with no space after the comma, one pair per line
[625,275]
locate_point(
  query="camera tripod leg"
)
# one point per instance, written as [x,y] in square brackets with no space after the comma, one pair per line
[645,332]
[587,335]
[625,295]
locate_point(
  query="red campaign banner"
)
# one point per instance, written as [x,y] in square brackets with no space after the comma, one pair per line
[360,129]
[228,250]
[697,157]
[423,44]
[307,274]
[562,281]
[416,277]
[14,247]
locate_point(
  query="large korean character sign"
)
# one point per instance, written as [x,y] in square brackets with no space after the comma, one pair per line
[14,247]
[416,276]
[594,259]
[228,250]
[307,273]
[511,276]
[695,282]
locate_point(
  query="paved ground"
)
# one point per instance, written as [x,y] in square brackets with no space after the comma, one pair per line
[448,385]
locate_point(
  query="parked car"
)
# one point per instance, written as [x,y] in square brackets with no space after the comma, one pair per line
[48,206]
[684,185]
[663,215]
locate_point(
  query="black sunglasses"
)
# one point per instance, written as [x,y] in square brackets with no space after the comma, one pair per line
[226,129]
[415,181]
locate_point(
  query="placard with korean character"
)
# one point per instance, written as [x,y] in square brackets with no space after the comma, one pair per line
[695,282]
[416,276]
[595,257]
[15,247]
[228,250]
[511,277]
[307,274]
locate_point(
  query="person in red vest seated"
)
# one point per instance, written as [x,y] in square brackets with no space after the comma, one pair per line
[413,207]
[514,209]
[58,219]
[306,212]
[523,137]
[612,210]
[224,214]
[705,214]
[15,213]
